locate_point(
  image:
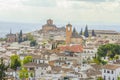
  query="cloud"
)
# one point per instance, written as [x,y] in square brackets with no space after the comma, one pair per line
[40,3]
[64,11]
[96,1]
[90,0]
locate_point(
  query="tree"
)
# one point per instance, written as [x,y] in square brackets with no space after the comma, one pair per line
[15,62]
[86,34]
[74,30]
[3,68]
[30,37]
[118,78]
[33,43]
[97,60]
[3,39]
[20,37]
[110,55]
[66,78]
[27,59]
[23,74]
[93,33]
[81,32]
[116,57]
[99,78]
[31,75]
[53,46]
[25,39]
[108,50]
[74,33]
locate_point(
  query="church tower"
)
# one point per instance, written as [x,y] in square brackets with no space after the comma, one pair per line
[68,33]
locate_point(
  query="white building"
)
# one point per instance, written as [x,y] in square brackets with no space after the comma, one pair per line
[111,72]
[89,52]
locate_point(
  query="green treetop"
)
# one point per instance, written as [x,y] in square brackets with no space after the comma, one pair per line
[112,51]
[20,39]
[3,68]
[15,62]
[81,32]
[86,34]
[93,33]
[23,74]
[27,59]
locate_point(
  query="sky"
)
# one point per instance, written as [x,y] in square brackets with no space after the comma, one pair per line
[61,11]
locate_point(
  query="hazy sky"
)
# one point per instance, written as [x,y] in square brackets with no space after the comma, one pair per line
[61,11]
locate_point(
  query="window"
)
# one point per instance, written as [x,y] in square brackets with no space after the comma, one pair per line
[33,60]
[108,71]
[112,72]
[68,63]
[113,79]
[104,77]
[104,71]
[31,68]
[43,61]
[41,73]
[59,58]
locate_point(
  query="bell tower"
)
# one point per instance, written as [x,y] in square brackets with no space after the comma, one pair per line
[68,33]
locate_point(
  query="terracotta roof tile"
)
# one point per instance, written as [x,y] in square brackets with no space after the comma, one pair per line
[30,64]
[111,66]
[73,48]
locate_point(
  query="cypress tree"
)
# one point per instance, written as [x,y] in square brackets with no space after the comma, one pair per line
[74,30]
[81,32]
[74,33]
[93,33]
[53,46]
[20,37]
[86,34]
[21,33]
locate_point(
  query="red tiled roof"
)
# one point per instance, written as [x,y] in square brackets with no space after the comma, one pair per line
[73,48]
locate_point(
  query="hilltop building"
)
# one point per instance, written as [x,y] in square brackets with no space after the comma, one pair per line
[51,32]
[109,34]
[11,37]
[49,26]
[15,37]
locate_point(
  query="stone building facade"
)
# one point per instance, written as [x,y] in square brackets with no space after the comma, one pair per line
[49,26]
[11,38]
[68,33]
[72,37]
